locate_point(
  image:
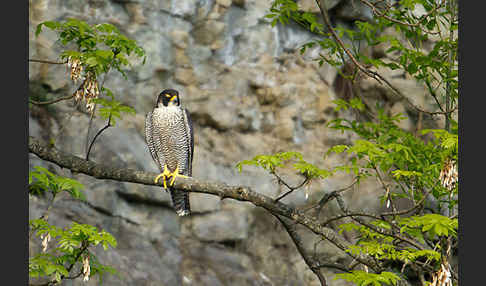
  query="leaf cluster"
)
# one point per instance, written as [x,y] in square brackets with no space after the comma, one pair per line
[363,278]
[112,108]
[99,46]
[432,225]
[42,180]
[384,246]
[295,159]
[400,155]
[71,244]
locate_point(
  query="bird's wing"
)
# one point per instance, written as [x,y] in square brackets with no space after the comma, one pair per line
[190,137]
[151,138]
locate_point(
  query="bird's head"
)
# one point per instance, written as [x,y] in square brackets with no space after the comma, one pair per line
[168,97]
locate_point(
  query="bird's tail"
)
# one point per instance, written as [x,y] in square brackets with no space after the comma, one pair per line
[180,200]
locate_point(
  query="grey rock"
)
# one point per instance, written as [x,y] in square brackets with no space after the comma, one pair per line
[214,226]
[184,8]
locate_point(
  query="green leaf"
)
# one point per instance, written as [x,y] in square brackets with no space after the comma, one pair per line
[47,181]
[363,278]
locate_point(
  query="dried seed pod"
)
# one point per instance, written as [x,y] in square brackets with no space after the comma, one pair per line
[449,175]
[86,268]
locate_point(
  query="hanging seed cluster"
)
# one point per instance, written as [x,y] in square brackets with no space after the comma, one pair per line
[76,68]
[448,175]
[45,240]
[442,277]
[87,91]
[86,268]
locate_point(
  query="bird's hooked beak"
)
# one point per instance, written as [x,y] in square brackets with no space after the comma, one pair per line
[173,100]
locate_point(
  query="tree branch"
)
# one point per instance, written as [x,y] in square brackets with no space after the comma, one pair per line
[51,101]
[47,62]
[108,124]
[292,231]
[240,193]
[377,13]
[291,189]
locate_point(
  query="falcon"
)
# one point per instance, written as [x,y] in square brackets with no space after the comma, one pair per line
[170,140]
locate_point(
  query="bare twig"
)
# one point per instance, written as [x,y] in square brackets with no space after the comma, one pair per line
[108,124]
[94,110]
[333,265]
[51,101]
[329,196]
[449,71]
[291,189]
[47,62]
[383,14]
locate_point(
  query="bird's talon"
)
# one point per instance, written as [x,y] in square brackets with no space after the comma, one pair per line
[172,181]
[166,173]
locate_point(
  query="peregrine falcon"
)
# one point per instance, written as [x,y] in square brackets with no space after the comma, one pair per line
[170,139]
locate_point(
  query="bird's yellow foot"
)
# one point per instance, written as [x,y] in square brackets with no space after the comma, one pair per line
[166,174]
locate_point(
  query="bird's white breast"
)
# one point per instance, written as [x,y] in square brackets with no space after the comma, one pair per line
[169,122]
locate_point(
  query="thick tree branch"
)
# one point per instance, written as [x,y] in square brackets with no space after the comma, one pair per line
[240,193]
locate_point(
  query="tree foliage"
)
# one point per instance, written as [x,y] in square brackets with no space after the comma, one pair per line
[72,243]
[90,52]
[407,166]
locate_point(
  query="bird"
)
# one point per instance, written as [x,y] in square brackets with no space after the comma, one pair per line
[170,139]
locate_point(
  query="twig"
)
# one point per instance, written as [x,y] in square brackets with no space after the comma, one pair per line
[422,18]
[94,110]
[449,71]
[51,101]
[83,249]
[344,209]
[47,62]
[291,189]
[333,265]
[375,216]
[329,196]
[108,124]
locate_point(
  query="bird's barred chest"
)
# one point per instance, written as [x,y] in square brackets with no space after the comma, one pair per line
[169,121]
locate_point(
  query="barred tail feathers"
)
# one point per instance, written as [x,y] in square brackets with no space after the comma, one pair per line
[180,201]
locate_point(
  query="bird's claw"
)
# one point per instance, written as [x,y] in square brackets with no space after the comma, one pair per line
[166,174]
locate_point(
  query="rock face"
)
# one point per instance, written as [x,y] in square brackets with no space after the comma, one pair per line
[249,92]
